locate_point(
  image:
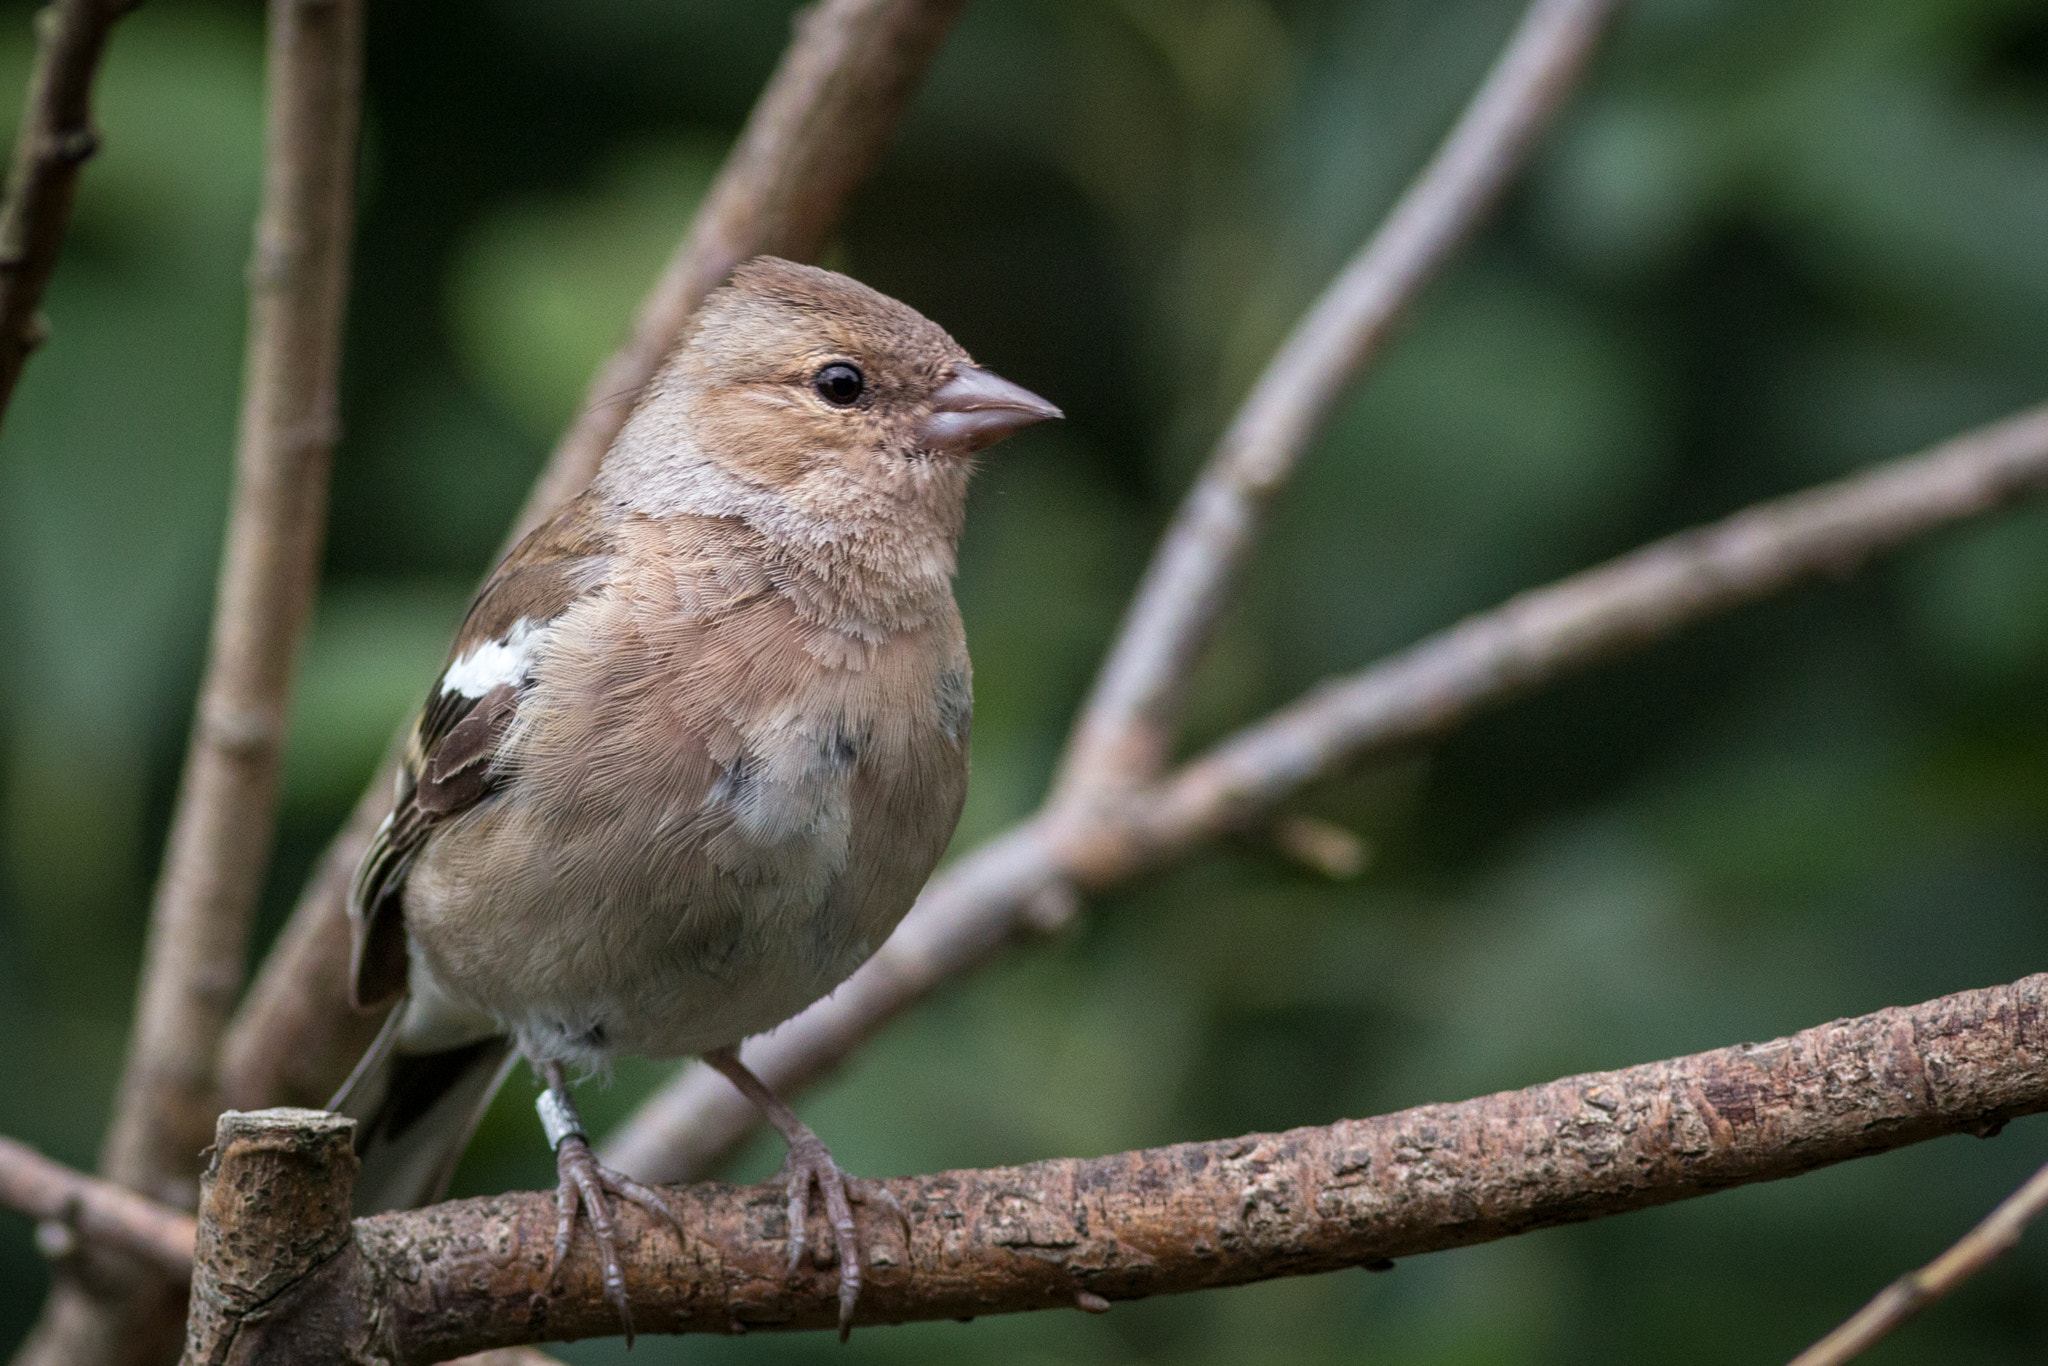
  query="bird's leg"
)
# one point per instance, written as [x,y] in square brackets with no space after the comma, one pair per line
[808,1164]
[585,1182]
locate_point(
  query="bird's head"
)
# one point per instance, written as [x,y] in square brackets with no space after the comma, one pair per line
[821,405]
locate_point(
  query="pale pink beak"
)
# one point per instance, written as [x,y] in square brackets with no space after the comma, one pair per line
[977,408]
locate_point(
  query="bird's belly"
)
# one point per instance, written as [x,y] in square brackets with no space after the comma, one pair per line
[662,929]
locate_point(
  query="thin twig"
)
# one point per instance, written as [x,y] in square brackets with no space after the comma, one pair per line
[420,1286]
[94,1211]
[814,134]
[1909,1294]
[1642,596]
[219,843]
[1128,723]
[55,138]
[982,901]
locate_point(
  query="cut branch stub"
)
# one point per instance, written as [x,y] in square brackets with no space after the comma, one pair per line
[273,1207]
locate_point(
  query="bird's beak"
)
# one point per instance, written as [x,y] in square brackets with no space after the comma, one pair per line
[977,408]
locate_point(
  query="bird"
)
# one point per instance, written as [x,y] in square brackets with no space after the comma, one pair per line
[696,747]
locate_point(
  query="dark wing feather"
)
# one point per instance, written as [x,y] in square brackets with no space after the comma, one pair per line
[447,767]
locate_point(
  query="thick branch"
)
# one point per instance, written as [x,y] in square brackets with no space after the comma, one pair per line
[815,133]
[420,1286]
[55,138]
[94,1212]
[275,1206]
[977,904]
[1128,723]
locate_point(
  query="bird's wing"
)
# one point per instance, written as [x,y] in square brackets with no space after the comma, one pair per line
[447,767]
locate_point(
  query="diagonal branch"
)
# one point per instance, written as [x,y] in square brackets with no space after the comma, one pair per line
[1128,723]
[1640,597]
[92,1212]
[420,1286]
[813,137]
[815,133]
[1904,1298]
[979,903]
[55,139]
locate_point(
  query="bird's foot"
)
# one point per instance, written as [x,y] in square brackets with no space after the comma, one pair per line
[810,1165]
[585,1184]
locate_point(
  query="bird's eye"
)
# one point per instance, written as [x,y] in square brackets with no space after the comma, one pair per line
[840,384]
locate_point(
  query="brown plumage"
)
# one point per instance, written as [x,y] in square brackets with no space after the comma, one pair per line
[698,744]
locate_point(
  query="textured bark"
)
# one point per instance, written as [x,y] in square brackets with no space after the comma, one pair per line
[813,136]
[472,1275]
[55,139]
[275,1207]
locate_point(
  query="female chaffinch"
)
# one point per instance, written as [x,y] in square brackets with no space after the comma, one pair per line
[697,746]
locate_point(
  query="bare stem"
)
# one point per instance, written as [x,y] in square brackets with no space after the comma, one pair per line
[983,900]
[471,1274]
[1128,723]
[1914,1291]
[1536,637]
[219,843]
[55,139]
[89,1211]
[814,134]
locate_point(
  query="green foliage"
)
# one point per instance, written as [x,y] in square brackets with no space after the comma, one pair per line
[1770,243]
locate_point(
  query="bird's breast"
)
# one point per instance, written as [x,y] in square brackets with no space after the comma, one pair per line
[710,823]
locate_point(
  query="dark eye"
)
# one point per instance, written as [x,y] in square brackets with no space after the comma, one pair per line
[839,384]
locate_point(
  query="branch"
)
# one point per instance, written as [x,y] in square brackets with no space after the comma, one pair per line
[94,1212]
[1128,724]
[1643,596]
[55,138]
[814,134]
[986,898]
[1913,1292]
[102,1215]
[219,843]
[419,1286]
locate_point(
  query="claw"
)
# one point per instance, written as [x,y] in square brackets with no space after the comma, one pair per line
[809,1165]
[584,1183]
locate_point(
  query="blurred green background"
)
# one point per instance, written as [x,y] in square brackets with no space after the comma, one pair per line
[1774,240]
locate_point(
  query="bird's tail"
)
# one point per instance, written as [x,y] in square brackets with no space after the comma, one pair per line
[414,1114]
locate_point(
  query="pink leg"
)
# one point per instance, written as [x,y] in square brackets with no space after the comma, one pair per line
[808,1164]
[584,1183]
